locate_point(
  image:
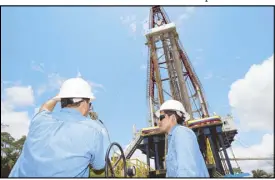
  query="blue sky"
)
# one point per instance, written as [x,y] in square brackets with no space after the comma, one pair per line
[107,46]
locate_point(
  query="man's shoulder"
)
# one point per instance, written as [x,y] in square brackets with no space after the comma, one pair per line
[185,131]
[44,114]
[184,128]
[47,116]
[91,123]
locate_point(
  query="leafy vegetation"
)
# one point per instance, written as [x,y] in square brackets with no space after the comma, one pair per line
[237,170]
[261,173]
[10,151]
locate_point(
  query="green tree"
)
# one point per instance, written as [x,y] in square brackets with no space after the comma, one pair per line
[10,151]
[261,173]
[19,144]
[237,170]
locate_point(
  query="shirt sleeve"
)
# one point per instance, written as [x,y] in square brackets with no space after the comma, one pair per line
[187,152]
[97,152]
[43,113]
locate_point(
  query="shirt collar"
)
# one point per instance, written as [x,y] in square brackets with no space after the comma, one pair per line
[71,111]
[173,129]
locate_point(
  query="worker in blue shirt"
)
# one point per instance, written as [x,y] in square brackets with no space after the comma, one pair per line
[184,158]
[65,143]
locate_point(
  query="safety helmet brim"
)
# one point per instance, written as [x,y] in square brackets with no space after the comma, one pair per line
[58,98]
[186,115]
[157,113]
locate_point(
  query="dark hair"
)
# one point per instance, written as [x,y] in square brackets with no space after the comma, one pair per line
[65,102]
[180,120]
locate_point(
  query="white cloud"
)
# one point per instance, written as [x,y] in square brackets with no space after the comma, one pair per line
[8,83]
[251,97]
[19,95]
[55,81]
[5,107]
[188,11]
[145,25]
[130,21]
[133,27]
[263,149]
[127,19]
[5,84]
[37,66]
[209,75]
[41,89]
[18,121]
[95,86]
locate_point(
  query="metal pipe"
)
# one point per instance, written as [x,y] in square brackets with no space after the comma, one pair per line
[178,66]
[151,111]
[156,69]
[204,111]
[169,68]
[223,163]
[219,131]
[207,133]
[148,152]
[156,153]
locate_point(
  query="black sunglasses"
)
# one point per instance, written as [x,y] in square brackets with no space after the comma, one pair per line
[90,103]
[91,108]
[161,117]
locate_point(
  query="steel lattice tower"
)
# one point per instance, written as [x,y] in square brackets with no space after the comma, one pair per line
[170,73]
[171,76]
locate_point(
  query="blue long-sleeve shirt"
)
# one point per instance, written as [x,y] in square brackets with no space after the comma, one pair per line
[61,144]
[184,158]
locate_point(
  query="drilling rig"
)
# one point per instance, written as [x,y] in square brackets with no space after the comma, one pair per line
[170,75]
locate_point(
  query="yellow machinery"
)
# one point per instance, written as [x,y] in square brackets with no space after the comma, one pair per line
[141,168]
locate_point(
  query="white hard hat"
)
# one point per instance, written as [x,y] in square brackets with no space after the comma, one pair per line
[173,105]
[75,88]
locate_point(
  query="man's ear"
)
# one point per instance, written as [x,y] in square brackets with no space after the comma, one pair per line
[174,117]
[83,103]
